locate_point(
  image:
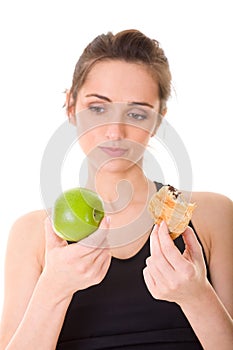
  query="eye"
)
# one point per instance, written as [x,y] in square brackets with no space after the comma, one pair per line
[96,109]
[137,116]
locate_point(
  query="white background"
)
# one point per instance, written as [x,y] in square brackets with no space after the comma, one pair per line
[40,44]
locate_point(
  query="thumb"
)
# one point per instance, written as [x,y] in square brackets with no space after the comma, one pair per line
[99,237]
[51,238]
[192,246]
[105,223]
[104,228]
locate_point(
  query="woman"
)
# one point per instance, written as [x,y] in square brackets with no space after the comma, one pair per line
[142,290]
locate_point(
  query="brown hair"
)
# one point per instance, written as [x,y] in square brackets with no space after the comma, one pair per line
[130,46]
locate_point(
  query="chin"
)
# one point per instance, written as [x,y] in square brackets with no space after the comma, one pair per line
[116,166]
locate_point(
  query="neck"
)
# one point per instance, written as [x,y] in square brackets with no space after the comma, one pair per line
[125,195]
[125,185]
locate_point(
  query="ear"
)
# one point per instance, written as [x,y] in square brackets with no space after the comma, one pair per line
[72,119]
[161,115]
[70,107]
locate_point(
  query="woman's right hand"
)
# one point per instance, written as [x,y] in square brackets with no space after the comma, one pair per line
[72,267]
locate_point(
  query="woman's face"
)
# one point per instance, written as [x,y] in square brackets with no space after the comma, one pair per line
[116,113]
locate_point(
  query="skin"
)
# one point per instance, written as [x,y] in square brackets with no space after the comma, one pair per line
[53,271]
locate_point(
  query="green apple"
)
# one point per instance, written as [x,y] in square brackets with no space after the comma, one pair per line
[77,213]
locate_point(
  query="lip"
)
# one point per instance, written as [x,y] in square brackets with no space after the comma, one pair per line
[114,151]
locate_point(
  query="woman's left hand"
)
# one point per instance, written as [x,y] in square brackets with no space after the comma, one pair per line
[171,275]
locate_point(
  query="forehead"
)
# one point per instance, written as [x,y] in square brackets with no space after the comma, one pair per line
[121,81]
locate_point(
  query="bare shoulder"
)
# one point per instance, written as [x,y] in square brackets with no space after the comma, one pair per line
[213,220]
[27,233]
[24,263]
[30,220]
[212,199]
[215,210]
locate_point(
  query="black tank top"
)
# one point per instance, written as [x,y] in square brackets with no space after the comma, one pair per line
[120,313]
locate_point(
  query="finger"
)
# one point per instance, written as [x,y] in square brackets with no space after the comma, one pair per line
[94,243]
[150,282]
[192,245]
[105,223]
[160,270]
[51,238]
[103,260]
[158,262]
[98,239]
[168,248]
[154,240]
[155,248]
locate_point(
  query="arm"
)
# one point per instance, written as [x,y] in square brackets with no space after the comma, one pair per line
[171,276]
[36,298]
[42,320]
[215,307]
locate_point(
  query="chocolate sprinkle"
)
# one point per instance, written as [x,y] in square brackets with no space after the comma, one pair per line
[174,191]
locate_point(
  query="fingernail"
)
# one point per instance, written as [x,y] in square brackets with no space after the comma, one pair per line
[163,225]
[108,220]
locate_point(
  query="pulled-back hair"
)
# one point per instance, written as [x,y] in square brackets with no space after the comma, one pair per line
[128,45]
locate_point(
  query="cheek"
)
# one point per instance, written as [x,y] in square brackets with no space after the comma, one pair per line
[140,136]
[88,141]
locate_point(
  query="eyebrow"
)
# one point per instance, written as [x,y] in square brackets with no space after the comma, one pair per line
[101,97]
[141,104]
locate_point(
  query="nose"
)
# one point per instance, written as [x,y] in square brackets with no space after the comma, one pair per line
[115,131]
